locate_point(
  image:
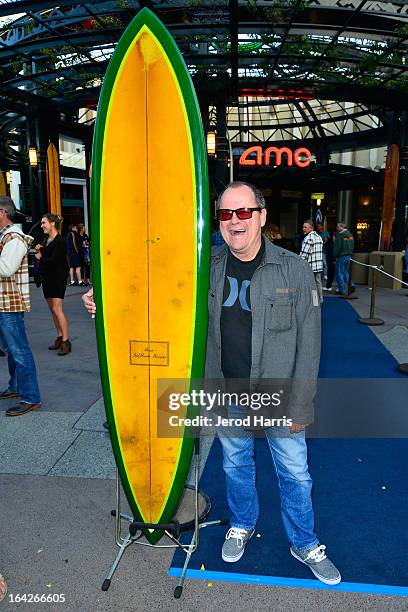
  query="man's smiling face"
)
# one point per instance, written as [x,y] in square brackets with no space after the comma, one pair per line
[243,236]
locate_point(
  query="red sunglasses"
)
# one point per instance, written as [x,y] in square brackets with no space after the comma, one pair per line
[225,214]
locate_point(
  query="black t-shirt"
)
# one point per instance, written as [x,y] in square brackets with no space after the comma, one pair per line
[236,317]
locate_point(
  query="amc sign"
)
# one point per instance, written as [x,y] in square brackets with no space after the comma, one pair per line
[273,156]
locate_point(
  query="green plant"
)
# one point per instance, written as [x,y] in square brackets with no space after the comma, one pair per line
[29,27]
[108,21]
[17,65]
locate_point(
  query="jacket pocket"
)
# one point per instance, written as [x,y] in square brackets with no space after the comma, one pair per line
[278,314]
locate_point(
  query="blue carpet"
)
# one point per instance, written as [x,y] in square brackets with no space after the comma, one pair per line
[350,349]
[360,490]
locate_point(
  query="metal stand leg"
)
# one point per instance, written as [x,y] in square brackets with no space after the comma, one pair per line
[195,539]
[122,547]
[123,543]
[189,549]
[179,588]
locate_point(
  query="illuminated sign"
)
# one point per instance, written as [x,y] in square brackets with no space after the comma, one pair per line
[273,156]
[362,226]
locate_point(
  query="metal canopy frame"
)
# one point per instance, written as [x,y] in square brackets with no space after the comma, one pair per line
[324,44]
[56,56]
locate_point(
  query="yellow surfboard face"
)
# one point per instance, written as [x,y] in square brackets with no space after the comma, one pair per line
[149,206]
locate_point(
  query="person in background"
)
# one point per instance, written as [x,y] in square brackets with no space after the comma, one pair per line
[342,250]
[312,252]
[325,236]
[14,302]
[273,233]
[74,257]
[53,268]
[330,264]
[85,253]
[406,258]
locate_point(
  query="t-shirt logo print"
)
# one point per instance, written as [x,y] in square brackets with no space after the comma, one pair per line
[234,294]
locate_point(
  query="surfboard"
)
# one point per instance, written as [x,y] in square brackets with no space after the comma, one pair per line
[390,193]
[53,180]
[150,244]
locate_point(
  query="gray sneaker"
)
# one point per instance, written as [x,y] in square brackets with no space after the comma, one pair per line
[234,545]
[321,566]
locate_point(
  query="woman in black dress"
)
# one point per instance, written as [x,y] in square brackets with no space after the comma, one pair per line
[74,256]
[53,267]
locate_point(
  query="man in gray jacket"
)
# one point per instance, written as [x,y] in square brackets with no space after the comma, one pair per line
[264,323]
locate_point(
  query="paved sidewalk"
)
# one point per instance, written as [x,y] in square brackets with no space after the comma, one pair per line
[57,489]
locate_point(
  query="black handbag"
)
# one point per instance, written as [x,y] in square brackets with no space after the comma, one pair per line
[37,279]
[37,275]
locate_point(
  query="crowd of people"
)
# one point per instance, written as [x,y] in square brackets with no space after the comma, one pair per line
[54,260]
[78,250]
[329,255]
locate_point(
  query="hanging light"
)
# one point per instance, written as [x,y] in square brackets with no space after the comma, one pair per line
[8,177]
[32,156]
[211,143]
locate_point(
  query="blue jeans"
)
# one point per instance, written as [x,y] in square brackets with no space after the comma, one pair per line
[324,273]
[23,375]
[289,455]
[342,272]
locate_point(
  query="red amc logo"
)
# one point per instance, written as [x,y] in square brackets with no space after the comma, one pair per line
[298,156]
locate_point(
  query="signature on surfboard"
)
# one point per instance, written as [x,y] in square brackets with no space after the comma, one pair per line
[151,352]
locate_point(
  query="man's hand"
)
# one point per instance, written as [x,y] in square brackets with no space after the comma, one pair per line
[37,247]
[296,428]
[89,303]
[38,255]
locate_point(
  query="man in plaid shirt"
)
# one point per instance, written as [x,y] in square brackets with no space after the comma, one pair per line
[14,302]
[312,252]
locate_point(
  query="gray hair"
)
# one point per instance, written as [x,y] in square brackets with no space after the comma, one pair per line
[309,222]
[342,225]
[8,206]
[259,197]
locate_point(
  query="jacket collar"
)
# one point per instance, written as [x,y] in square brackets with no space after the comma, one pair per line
[273,254]
[5,229]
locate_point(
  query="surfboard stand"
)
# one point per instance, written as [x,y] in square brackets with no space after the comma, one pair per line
[172,530]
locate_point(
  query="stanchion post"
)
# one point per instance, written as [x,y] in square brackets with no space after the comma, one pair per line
[350,289]
[373,294]
[372,319]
